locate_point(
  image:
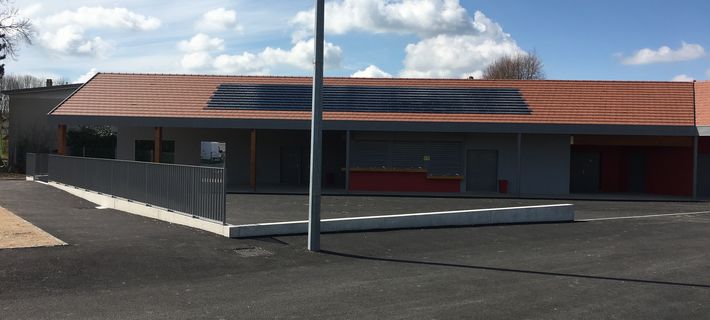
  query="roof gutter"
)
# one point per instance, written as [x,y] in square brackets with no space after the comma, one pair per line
[382,126]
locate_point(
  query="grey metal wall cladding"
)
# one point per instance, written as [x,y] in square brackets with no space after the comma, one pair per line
[198,191]
[36,164]
[444,157]
[371,99]
[370,154]
[408,154]
[30,162]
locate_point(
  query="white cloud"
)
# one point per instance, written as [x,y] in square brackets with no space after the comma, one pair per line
[459,56]
[30,10]
[371,71]
[86,76]
[451,42]
[219,19]
[682,77]
[70,40]
[201,42]
[707,73]
[201,49]
[245,63]
[65,32]
[300,56]
[196,60]
[687,51]
[422,17]
[100,17]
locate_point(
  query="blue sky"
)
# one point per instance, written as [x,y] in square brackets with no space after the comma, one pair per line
[617,40]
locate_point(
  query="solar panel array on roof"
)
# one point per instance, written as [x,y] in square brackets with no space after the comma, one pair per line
[371,99]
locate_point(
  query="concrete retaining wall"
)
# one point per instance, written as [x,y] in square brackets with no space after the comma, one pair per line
[530,214]
[514,215]
[142,209]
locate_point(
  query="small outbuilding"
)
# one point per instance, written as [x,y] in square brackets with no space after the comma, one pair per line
[28,128]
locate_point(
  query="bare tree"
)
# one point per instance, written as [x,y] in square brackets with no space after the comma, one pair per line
[16,81]
[14,30]
[520,66]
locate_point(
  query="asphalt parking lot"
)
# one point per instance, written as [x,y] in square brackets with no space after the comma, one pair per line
[260,208]
[120,266]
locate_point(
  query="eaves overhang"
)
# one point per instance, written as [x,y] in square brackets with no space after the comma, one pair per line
[400,126]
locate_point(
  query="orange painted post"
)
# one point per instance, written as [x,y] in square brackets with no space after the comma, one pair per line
[158,142]
[62,140]
[252,161]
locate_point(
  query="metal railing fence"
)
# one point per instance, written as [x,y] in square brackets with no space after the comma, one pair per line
[36,164]
[194,190]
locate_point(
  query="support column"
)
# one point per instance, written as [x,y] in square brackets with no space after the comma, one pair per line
[252,161]
[157,143]
[62,140]
[520,164]
[314,194]
[347,161]
[695,167]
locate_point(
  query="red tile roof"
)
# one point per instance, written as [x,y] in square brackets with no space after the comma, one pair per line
[702,102]
[551,101]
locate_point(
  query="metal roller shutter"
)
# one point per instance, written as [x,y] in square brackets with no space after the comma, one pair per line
[408,154]
[445,158]
[370,154]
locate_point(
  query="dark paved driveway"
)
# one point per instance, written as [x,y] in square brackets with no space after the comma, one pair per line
[256,208]
[120,266]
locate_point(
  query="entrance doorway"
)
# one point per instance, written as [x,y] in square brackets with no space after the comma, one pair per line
[292,166]
[585,173]
[637,172]
[482,170]
[213,153]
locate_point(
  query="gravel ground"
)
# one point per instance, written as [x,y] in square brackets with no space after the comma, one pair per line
[18,233]
[11,176]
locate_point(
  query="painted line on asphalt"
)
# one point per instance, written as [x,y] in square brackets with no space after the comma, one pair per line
[646,216]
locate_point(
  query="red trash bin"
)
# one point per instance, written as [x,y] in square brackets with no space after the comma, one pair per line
[503,186]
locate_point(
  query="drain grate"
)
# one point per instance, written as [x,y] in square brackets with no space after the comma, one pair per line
[248,252]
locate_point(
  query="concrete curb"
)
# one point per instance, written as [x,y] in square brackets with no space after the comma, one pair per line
[513,215]
[144,210]
[477,217]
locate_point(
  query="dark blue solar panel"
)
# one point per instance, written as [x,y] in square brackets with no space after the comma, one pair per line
[371,99]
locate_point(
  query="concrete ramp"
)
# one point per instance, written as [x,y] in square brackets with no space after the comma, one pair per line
[478,217]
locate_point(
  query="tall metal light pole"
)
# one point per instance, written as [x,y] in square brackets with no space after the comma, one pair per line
[316,134]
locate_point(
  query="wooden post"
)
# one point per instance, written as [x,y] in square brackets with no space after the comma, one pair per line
[252,161]
[158,142]
[62,140]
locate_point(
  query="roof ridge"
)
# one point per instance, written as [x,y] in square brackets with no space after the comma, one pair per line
[391,79]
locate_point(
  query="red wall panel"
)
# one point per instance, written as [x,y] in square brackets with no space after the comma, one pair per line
[614,170]
[401,182]
[670,171]
[704,144]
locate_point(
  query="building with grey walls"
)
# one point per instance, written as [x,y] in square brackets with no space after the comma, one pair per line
[29,128]
[516,137]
